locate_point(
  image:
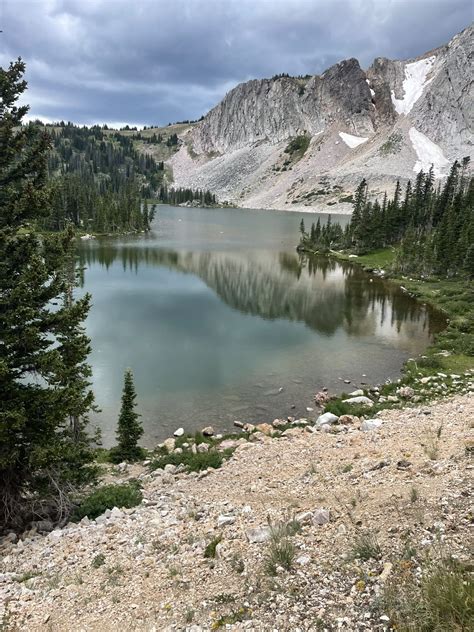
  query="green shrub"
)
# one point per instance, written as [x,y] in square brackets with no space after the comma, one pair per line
[441,601]
[107,497]
[210,550]
[299,144]
[193,462]
[366,547]
[338,407]
[429,362]
[98,561]
[281,552]
[116,455]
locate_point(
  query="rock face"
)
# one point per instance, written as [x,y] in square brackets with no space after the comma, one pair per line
[383,123]
[273,110]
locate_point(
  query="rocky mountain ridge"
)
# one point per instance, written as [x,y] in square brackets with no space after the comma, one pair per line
[387,122]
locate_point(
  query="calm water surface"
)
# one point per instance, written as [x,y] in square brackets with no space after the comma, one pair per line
[220,320]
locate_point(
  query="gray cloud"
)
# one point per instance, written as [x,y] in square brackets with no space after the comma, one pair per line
[155,61]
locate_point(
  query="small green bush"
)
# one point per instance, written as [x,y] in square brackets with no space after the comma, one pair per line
[107,497]
[338,407]
[116,455]
[210,550]
[298,144]
[441,601]
[98,561]
[281,552]
[193,462]
[366,547]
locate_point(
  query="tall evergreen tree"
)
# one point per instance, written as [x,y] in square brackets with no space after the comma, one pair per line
[129,428]
[40,462]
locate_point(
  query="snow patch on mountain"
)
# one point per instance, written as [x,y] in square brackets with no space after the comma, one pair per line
[413,85]
[352,141]
[428,153]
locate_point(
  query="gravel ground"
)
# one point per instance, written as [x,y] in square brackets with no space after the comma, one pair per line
[145,568]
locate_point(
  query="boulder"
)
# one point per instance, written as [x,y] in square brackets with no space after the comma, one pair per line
[169,444]
[258,535]
[224,520]
[305,517]
[202,447]
[348,420]
[358,393]
[321,398]
[179,432]
[361,399]
[406,392]
[327,418]
[266,429]
[230,444]
[208,431]
[370,424]
[43,526]
[321,516]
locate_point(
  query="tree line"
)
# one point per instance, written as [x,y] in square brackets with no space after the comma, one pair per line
[182,195]
[101,181]
[432,227]
[46,452]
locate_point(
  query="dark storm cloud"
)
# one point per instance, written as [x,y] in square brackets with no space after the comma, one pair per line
[155,61]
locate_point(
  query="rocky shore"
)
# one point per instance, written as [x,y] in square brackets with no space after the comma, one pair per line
[303,530]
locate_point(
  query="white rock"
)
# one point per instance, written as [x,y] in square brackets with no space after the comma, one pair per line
[358,393]
[223,520]
[258,535]
[169,444]
[327,418]
[366,401]
[305,517]
[208,431]
[370,424]
[202,447]
[179,432]
[321,516]
[302,560]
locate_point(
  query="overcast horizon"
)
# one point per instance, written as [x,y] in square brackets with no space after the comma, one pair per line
[155,62]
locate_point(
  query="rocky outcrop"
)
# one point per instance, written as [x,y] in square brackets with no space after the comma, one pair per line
[384,123]
[272,110]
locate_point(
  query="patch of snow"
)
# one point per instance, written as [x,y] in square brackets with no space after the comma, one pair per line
[352,141]
[428,153]
[413,84]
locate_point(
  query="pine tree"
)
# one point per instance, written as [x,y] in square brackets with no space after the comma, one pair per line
[40,463]
[468,263]
[129,429]
[302,228]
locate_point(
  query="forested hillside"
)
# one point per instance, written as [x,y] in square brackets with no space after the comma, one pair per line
[101,179]
[433,227]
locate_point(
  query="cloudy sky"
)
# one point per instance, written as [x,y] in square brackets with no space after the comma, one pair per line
[156,61]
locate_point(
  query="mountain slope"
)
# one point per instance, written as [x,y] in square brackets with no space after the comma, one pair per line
[305,142]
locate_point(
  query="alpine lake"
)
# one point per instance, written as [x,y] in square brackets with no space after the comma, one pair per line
[220,320]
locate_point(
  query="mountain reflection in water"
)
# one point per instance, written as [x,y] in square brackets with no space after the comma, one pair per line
[219,320]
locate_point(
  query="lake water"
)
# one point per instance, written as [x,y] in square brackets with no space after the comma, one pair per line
[220,320]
